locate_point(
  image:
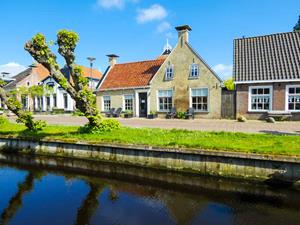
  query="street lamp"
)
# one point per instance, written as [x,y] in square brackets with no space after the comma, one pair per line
[91,60]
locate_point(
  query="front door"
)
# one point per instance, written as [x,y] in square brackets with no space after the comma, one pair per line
[143,104]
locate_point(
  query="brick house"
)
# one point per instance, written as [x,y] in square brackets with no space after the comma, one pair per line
[178,78]
[267,75]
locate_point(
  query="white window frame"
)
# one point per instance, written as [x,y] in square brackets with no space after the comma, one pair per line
[124,99]
[287,97]
[157,99]
[194,67]
[168,72]
[191,100]
[250,98]
[103,106]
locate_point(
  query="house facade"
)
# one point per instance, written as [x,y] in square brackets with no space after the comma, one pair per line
[178,78]
[267,75]
[27,78]
[59,98]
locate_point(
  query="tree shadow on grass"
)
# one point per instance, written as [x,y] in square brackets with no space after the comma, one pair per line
[279,132]
[36,136]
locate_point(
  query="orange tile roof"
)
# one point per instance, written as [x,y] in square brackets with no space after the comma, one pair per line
[135,74]
[41,71]
[87,73]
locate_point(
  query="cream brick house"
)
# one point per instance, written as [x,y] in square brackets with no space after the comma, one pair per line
[178,78]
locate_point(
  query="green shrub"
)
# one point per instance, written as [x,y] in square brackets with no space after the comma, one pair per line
[58,111]
[77,113]
[241,118]
[128,112]
[153,112]
[105,125]
[180,115]
[4,120]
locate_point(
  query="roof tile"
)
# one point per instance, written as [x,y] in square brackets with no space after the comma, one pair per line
[269,57]
[135,74]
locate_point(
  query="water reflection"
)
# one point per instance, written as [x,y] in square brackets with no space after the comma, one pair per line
[89,205]
[50,196]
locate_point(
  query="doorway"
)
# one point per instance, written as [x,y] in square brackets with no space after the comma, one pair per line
[143,104]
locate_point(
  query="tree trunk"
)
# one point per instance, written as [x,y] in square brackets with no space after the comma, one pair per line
[16,107]
[77,87]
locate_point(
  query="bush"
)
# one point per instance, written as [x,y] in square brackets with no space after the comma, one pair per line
[3,120]
[241,118]
[106,125]
[77,113]
[128,112]
[153,112]
[58,111]
[180,115]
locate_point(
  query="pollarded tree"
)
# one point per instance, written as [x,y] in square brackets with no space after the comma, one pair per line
[77,86]
[15,106]
[297,26]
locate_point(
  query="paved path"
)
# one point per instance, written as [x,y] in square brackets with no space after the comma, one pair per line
[201,124]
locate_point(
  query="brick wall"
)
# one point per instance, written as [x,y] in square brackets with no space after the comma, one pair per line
[278,101]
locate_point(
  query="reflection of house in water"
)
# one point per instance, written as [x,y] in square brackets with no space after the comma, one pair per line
[215,202]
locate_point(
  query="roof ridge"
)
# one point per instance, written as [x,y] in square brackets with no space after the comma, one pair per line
[266,35]
[151,60]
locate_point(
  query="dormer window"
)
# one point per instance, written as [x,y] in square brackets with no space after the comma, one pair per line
[194,70]
[169,72]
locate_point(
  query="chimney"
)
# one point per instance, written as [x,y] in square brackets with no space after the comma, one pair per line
[112,59]
[183,33]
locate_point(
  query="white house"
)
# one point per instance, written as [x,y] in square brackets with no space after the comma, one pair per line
[59,98]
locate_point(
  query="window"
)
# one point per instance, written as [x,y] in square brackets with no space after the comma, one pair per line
[48,102]
[54,100]
[65,100]
[199,99]
[293,98]
[169,72]
[40,102]
[165,100]
[24,100]
[128,102]
[260,98]
[106,103]
[194,70]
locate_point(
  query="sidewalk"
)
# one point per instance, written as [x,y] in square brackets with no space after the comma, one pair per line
[252,126]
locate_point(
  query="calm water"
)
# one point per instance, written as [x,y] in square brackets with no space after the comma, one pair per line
[32,195]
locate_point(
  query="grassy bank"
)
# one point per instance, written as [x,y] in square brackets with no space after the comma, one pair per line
[254,143]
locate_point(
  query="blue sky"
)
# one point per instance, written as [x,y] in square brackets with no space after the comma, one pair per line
[138,29]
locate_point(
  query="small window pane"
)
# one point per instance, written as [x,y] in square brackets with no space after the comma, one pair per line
[260,91]
[292,90]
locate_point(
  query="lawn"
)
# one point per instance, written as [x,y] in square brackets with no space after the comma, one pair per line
[238,142]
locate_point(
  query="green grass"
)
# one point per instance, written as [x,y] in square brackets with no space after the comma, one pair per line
[239,142]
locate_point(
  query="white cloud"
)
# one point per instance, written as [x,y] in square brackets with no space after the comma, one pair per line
[223,70]
[154,12]
[12,67]
[163,27]
[113,4]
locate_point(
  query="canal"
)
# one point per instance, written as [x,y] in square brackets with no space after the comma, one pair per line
[49,191]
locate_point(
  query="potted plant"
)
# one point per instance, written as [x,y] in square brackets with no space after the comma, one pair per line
[128,114]
[152,115]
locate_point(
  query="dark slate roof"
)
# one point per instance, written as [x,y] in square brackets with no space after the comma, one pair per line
[269,57]
[17,78]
